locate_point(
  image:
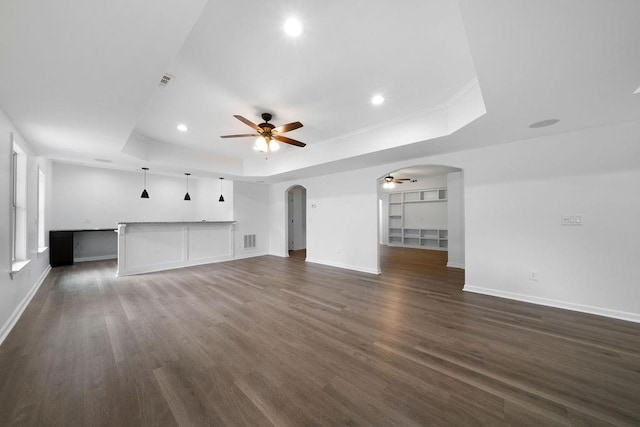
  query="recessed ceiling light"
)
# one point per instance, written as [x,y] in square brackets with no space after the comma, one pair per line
[377,99]
[293,27]
[544,123]
[182,128]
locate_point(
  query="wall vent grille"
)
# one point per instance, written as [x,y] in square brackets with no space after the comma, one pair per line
[249,241]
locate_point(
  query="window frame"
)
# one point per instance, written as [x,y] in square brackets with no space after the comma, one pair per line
[13,203]
[41,210]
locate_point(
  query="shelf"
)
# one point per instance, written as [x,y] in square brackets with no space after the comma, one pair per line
[395,222]
[412,241]
[429,233]
[395,197]
[428,238]
[429,195]
[411,232]
[413,196]
[395,209]
[409,211]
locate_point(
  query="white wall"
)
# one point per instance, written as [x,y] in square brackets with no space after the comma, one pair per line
[16,292]
[514,195]
[455,219]
[341,220]
[251,213]
[86,197]
[590,266]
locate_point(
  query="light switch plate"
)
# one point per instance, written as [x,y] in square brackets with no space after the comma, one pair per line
[571,219]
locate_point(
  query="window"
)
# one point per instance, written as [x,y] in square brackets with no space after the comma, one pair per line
[41,207]
[18,204]
[14,204]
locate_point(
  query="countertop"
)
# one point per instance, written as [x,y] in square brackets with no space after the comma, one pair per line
[173,222]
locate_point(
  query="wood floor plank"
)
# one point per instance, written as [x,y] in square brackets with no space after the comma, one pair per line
[278,341]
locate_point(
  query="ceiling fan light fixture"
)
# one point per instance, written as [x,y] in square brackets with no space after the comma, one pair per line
[221,199]
[145,194]
[273,145]
[261,145]
[187,197]
[293,27]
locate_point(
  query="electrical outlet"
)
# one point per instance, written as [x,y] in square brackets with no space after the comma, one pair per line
[533,275]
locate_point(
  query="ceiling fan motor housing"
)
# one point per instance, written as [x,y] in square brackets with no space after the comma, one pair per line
[266,126]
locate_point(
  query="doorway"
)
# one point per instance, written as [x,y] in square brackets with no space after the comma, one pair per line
[296,197]
[421,220]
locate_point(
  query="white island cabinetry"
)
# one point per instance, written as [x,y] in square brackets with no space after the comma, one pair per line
[153,246]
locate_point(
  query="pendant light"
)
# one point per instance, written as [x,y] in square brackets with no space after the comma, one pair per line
[221,199]
[186,196]
[144,194]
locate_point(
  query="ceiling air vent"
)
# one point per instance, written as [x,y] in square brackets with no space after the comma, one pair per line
[166,79]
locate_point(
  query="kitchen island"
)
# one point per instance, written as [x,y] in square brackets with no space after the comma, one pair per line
[144,247]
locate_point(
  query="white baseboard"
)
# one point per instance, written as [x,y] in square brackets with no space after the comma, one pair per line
[346,266]
[95,258]
[622,315]
[455,265]
[15,316]
[249,255]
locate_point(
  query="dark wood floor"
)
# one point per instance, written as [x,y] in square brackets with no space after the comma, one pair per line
[279,341]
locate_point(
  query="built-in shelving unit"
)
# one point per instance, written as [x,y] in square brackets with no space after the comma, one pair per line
[403,232]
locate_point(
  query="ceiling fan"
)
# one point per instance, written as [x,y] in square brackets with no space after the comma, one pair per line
[268,134]
[389,178]
[390,182]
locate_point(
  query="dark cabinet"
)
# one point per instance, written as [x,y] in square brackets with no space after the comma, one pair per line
[60,248]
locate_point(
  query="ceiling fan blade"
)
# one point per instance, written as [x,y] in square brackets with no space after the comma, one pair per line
[239,135]
[397,181]
[288,127]
[288,140]
[401,179]
[248,123]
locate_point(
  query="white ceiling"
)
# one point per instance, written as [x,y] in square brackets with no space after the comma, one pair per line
[80,78]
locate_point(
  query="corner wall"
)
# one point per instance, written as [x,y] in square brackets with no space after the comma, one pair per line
[251,213]
[87,197]
[514,195]
[342,212]
[16,292]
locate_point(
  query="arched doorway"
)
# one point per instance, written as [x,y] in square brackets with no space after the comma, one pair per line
[421,218]
[296,229]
